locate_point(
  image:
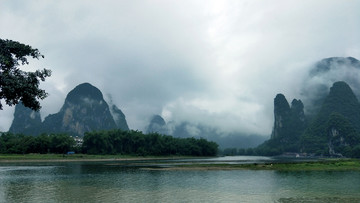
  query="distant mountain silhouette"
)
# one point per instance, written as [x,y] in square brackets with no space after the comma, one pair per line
[187,129]
[157,124]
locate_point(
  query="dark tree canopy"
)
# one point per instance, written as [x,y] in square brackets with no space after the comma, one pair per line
[17,85]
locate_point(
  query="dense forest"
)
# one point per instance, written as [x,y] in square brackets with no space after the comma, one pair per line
[108,142]
[23,144]
[135,142]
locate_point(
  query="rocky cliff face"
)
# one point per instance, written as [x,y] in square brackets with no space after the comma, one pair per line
[25,121]
[289,122]
[341,135]
[343,101]
[84,110]
[281,115]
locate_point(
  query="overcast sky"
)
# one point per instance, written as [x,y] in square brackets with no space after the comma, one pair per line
[219,62]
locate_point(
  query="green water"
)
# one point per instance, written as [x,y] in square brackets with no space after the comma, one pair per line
[104,182]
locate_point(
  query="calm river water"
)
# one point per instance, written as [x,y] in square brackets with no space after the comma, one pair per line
[134,182]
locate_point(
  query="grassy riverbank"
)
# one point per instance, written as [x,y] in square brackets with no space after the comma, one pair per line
[321,165]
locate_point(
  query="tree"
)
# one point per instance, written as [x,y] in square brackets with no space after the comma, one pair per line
[61,143]
[17,85]
[42,144]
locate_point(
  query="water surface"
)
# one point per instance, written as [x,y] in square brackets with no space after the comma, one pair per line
[130,182]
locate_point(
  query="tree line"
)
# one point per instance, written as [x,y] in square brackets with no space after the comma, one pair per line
[137,143]
[108,142]
[24,144]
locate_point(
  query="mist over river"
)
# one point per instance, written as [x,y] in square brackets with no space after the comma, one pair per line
[137,181]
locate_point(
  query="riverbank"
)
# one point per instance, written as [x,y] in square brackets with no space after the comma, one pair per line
[320,165]
[183,163]
[7,158]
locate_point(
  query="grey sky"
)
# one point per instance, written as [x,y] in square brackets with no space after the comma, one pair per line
[215,62]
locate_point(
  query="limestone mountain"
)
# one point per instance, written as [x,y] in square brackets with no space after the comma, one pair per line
[26,121]
[84,110]
[332,122]
[334,130]
[289,124]
[342,100]
[289,121]
[336,127]
[282,116]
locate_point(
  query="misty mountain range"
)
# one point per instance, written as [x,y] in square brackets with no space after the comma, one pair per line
[86,110]
[323,75]
[187,129]
[334,130]
[330,122]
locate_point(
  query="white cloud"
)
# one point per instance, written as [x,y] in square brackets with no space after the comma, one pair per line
[215,62]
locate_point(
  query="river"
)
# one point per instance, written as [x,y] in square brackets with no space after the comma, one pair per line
[134,181]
